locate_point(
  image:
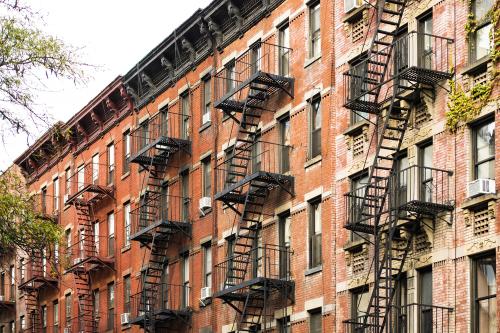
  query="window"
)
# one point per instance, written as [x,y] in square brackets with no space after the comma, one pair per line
[12,273]
[207,100]
[358,188]
[284,141]
[111,163]
[111,306]
[207,177]
[22,322]
[185,280]
[111,234]
[403,176]
[479,41]
[44,200]
[315,321]
[185,115]
[96,237]
[95,169]
[44,317]
[126,151]
[314,30]
[67,304]
[126,294]
[256,153]
[2,284]
[426,185]
[425,298]
[484,294]
[285,238]
[67,176]
[185,194]
[56,253]
[22,269]
[284,51]
[425,38]
[55,314]
[80,175]
[56,194]
[315,127]
[67,236]
[284,325]
[126,222]
[255,57]
[360,298]
[95,302]
[144,133]
[315,233]
[207,265]
[230,76]
[484,150]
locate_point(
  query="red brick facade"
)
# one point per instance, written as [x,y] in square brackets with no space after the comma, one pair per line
[448,246]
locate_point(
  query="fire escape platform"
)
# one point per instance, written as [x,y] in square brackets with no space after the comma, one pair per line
[267,179]
[145,235]
[8,305]
[38,282]
[95,262]
[100,192]
[163,316]
[270,84]
[424,75]
[165,145]
[239,292]
[426,208]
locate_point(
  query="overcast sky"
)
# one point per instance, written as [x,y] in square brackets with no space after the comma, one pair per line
[113,34]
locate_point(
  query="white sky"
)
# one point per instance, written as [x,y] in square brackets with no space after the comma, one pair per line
[114,34]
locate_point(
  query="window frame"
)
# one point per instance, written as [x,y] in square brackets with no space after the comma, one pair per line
[110,305]
[356,295]
[314,34]
[356,184]
[474,299]
[206,169]
[207,264]
[126,293]
[127,226]
[111,233]
[480,24]
[67,308]
[315,147]
[317,315]
[111,163]
[475,128]
[284,45]
[315,259]
[185,108]
[56,193]
[284,130]
[127,151]
[206,103]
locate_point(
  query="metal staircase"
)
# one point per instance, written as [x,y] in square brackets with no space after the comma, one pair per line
[158,218]
[387,84]
[245,179]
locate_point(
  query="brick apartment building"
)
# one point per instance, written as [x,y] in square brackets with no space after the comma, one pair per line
[274,166]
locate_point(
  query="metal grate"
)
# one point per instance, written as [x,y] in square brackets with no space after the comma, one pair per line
[421,242]
[358,145]
[481,222]
[422,115]
[358,28]
[358,262]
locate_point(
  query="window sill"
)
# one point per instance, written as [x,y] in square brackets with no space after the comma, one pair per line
[355,128]
[125,248]
[472,203]
[314,270]
[476,66]
[125,175]
[311,61]
[205,126]
[354,14]
[313,161]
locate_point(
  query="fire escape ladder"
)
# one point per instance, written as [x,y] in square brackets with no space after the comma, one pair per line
[85,306]
[33,309]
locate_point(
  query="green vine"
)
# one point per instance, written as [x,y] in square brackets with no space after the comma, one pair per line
[462,106]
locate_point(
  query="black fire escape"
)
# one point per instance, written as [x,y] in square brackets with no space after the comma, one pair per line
[253,276]
[160,216]
[395,203]
[90,187]
[37,272]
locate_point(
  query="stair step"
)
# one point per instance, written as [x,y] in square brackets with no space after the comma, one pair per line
[391,12]
[389,22]
[381,43]
[385,32]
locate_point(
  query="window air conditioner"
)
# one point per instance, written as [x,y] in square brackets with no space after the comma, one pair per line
[65,198]
[206,292]
[206,117]
[351,4]
[481,186]
[205,203]
[125,318]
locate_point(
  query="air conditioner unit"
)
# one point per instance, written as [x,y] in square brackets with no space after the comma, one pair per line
[125,318]
[206,292]
[351,5]
[205,203]
[65,198]
[481,186]
[206,117]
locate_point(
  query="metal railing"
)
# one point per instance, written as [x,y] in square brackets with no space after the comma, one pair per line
[166,124]
[267,261]
[264,57]
[414,189]
[414,50]
[158,208]
[89,246]
[410,318]
[36,267]
[46,205]
[169,297]
[263,156]
[90,175]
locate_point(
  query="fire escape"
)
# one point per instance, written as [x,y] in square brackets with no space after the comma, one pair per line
[36,274]
[159,217]
[395,203]
[90,186]
[254,277]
